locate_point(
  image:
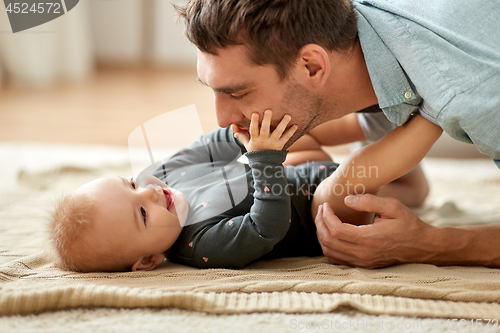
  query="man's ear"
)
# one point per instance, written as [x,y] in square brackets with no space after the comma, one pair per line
[148,263]
[315,61]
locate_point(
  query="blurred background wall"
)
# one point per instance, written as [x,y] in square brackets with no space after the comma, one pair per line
[109,32]
[97,72]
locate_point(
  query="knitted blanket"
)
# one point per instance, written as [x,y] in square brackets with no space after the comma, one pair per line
[463,192]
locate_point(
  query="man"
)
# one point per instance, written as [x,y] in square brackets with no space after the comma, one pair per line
[323,59]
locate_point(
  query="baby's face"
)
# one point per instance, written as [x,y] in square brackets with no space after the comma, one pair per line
[133,220]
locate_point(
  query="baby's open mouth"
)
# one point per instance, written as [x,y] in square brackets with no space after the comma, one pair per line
[169,198]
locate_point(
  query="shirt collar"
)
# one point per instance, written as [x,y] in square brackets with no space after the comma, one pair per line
[389,81]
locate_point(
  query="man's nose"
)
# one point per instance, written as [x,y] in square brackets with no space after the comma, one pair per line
[225,112]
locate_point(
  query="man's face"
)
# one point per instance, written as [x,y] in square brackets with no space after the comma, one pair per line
[242,88]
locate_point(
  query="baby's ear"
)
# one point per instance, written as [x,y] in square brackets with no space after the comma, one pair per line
[148,263]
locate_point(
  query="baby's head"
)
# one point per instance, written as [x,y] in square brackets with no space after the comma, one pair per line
[112,224]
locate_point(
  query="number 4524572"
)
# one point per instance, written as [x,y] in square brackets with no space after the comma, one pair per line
[477,323]
[39,8]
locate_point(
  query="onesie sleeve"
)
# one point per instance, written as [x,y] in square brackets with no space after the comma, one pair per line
[219,145]
[234,242]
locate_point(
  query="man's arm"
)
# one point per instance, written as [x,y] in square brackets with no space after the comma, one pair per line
[331,133]
[399,236]
[371,167]
[411,189]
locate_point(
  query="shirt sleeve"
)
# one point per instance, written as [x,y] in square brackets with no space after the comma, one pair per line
[473,117]
[234,242]
[375,125]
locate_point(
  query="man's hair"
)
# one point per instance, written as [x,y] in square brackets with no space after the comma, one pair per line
[274,30]
[69,224]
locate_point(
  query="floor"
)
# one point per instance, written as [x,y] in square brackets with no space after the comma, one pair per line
[103,109]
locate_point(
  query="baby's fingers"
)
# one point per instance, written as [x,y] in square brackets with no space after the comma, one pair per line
[278,131]
[243,136]
[254,126]
[288,134]
[266,123]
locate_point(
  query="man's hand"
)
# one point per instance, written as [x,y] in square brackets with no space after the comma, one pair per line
[262,138]
[396,236]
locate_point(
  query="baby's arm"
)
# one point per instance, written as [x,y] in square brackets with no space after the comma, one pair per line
[242,237]
[306,149]
[339,131]
[375,165]
[331,133]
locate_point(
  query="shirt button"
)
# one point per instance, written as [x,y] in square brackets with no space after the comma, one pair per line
[407,95]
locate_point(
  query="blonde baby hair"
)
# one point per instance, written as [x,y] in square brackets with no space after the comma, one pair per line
[69,226]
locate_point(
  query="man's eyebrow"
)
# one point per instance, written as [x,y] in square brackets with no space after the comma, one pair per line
[134,211]
[230,89]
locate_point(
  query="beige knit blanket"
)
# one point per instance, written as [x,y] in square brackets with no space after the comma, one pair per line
[463,192]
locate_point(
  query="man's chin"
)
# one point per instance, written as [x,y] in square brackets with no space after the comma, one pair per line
[292,140]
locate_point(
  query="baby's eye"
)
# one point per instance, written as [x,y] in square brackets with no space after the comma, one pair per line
[133,183]
[143,213]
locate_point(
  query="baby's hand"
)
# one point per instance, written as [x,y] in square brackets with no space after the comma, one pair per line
[262,139]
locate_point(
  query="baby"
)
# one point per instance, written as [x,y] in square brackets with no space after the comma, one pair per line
[113,224]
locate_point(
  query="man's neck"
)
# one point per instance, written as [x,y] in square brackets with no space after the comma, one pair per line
[349,87]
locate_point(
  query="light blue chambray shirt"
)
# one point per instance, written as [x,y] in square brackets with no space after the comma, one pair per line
[438,57]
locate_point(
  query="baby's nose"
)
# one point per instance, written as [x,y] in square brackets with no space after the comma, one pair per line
[151,191]
[153,186]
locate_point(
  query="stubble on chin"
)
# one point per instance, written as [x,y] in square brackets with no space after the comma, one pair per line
[308,110]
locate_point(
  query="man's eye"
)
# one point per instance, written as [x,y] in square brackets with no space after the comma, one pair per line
[238,97]
[133,183]
[143,213]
